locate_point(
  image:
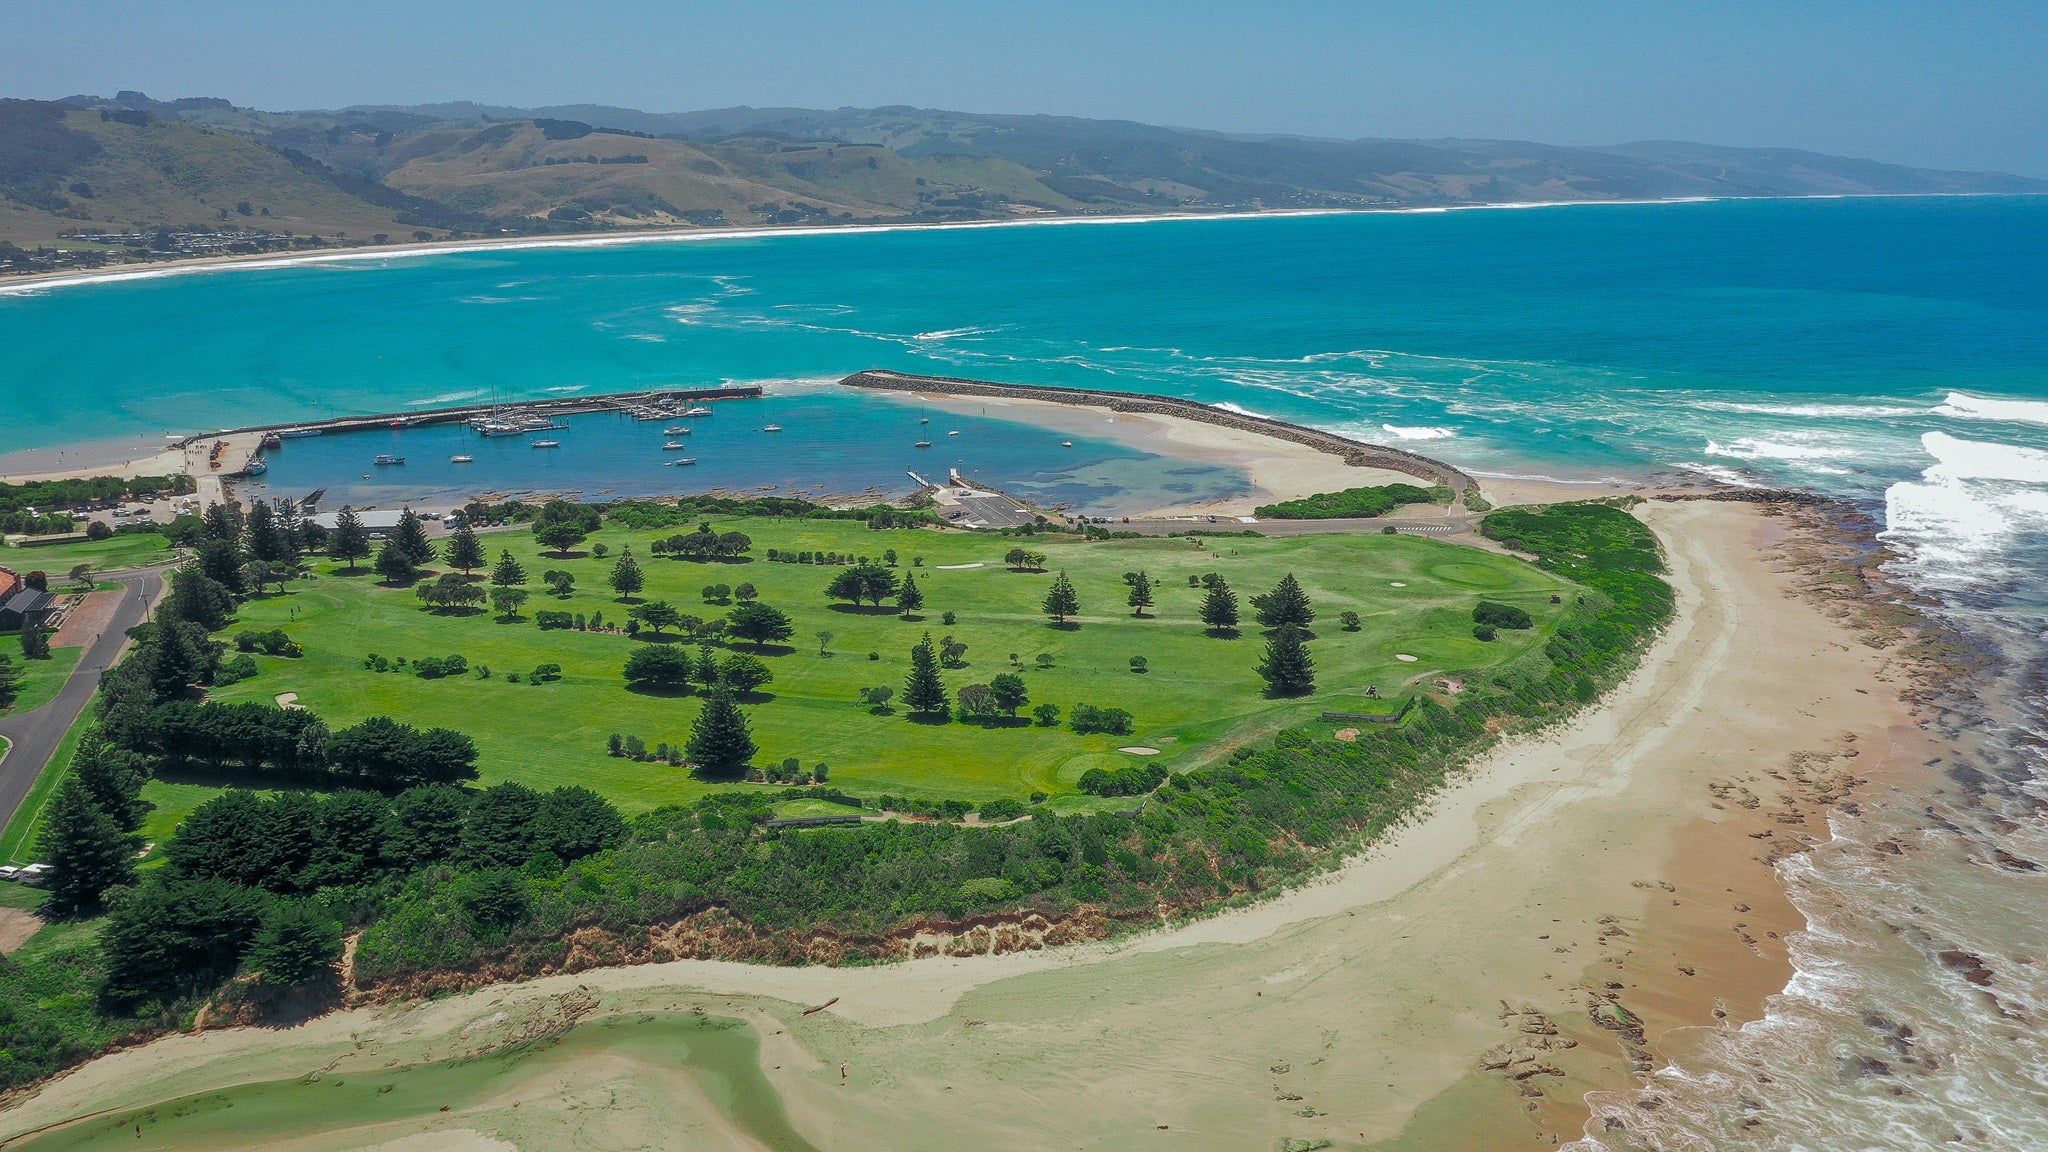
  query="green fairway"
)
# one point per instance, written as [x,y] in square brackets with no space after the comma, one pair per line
[41,680]
[1199,698]
[126,550]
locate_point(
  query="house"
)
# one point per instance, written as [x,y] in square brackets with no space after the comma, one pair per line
[22,605]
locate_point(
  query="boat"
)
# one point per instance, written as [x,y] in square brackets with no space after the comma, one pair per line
[700,411]
[1066,443]
[772,428]
[676,431]
[924,419]
[541,424]
[680,463]
[295,433]
[401,422]
[272,440]
[255,467]
[675,446]
[547,443]
[924,444]
[388,458]
[500,428]
[462,459]
[955,432]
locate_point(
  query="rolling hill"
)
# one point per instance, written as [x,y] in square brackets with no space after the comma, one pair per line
[202,175]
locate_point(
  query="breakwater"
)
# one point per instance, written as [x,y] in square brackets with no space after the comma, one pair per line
[1353,452]
[418,418]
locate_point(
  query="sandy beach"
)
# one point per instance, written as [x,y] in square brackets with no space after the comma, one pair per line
[1447,990]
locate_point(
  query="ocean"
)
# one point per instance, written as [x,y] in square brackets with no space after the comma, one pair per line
[1893,352]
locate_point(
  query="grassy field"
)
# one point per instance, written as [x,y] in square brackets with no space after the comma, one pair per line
[1200,697]
[41,680]
[18,839]
[127,550]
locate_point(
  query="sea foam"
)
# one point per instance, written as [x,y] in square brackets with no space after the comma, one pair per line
[1989,408]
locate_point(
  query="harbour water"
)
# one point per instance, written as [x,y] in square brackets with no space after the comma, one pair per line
[1890,351]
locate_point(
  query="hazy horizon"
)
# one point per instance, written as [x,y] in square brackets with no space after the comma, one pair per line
[1922,84]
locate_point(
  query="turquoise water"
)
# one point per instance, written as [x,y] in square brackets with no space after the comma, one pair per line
[1894,351]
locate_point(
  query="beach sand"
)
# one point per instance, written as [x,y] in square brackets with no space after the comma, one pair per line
[1278,469]
[1624,856]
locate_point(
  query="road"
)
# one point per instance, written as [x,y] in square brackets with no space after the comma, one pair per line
[35,734]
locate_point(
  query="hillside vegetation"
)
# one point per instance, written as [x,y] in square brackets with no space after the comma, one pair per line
[137,165]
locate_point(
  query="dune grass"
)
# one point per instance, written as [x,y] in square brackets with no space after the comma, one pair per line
[1199,698]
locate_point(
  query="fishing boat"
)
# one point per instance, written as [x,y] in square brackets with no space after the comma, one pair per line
[547,443]
[273,440]
[924,444]
[680,463]
[674,446]
[462,459]
[388,458]
[255,467]
[772,428]
[295,433]
[676,431]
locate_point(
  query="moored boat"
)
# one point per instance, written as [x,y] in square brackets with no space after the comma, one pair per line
[547,443]
[679,430]
[388,458]
[294,433]
[680,463]
[698,411]
[924,444]
[462,459]
[772,428]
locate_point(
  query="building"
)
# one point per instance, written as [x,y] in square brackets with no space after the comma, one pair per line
[377,524]
[21,604]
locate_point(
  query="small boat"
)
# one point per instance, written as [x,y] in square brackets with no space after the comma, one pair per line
[294,433]
[255,467]
[955,432]
[273,440]
[676,431]
[680,463]
[924,419]
[924,444]
[772,428]
[462,459]
[547,443]
[401,422]
[675,446]
[388,458]
[1066,443]
[541,424]
[500,428]
[696,412]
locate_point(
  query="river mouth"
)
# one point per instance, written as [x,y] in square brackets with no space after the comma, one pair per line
[514,1096]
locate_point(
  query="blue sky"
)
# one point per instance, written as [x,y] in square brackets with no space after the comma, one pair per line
[1954,85]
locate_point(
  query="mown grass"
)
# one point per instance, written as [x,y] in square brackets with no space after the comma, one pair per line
[126,550]
[41,680]
[18,840]
[1200,697]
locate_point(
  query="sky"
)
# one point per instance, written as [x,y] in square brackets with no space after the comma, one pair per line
[1945,85]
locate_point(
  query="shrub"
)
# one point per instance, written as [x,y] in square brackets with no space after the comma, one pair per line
[1088,718]
[230,671]
[1484,632]
[1130,780]
[541,672]
[1501,616]
[1349,620]
[548,620]
[948,618]
[999,810]
[1048,715]
[1139,664]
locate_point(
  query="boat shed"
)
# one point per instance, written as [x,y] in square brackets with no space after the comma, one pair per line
[378,523]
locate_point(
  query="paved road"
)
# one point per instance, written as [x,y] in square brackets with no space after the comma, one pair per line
[1419,525]
[36,734]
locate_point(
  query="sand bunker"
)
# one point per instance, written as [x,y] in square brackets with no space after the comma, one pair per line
[1396,584]
[1140,750]
[1404,658]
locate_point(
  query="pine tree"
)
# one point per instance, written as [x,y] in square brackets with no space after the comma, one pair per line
[86,846]
[223,522]
[626,578]
[394,565]
[35,643]
[1286,665]
[909,598]
[298,943]
[1219,606]
[10,680]
[1141,591]
[350,541]
[1061,602]
[923,691]
[508,573]
[111,774]
[1286,606]
[265,540]
[465,551]
[411,536]
[291,531]
[720,740]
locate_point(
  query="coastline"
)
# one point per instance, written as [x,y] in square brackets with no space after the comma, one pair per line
[1624,835]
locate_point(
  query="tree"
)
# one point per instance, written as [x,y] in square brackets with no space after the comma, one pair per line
[178,936]
[257,573]
[742,673]
[561,584]
[862,582]
[560,536]
[1141,591]
[720,740]
[656,614]
[425,824]
[384,753]
[88,847]
[81,575]
[449,592]
[575,822]
[297,943]
[923,692]
[349,541]
[877,698]
[659,666]
[1286,606]
[508,573]
[349,839]
[114,778]
[266,538]
[824,643]
[759,623]
[1349,620]
[1061,602]
[499,831]
[1008,689]
[394,565]
[10,680]
[1286,666]
[1048,715]
[221,560]
[465,551]
[411,535]
[1219,606]
[508,601]
[497,899]
[626,578]
[746,593]
[35,643]
[909,598]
